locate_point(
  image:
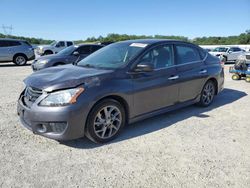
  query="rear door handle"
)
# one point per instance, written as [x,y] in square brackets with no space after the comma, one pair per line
[173,77]
[203,71]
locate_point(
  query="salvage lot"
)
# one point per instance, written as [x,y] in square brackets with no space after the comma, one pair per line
[191,147]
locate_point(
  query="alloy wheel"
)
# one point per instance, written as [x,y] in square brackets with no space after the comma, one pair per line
[208,93]
[107,122]
[20,60]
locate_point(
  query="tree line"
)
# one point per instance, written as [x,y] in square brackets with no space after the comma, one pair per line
[243,38]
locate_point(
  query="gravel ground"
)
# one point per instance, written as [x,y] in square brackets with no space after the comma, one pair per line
[191,147]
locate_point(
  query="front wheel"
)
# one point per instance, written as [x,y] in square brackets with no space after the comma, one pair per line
[207,94]
[105,121]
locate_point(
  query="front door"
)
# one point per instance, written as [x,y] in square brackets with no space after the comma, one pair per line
[156,89]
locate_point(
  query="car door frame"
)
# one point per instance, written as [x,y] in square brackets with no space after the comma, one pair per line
[142,105]
[190,75]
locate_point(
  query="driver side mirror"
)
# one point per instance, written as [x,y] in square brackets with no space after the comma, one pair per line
[76,53]
[230,51]
[144,67]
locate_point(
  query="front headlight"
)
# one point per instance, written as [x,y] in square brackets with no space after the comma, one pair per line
[62,98]
[42,62]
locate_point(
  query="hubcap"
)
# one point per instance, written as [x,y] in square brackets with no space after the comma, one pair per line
[208,93]
[107,122]
[20,60]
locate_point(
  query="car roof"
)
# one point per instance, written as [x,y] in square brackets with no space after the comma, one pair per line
[88,44]
[153,41]
[10,39]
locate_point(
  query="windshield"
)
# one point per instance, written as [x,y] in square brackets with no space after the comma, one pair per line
[68,50]
[53,43]
[113,56]
[220,49]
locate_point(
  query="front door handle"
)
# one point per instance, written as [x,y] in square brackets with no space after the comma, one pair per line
[173,77]
[203,72]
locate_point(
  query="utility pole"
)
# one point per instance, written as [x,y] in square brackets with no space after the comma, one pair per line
[7,29]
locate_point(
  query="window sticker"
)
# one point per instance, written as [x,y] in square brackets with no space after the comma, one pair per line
[140,45]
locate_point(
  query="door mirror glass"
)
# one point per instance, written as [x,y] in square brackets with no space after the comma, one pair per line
[76,53]
[144,67]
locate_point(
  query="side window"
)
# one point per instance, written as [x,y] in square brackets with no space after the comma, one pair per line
[187,54]
[60,44]
[237,49]
[84,50]
[159,57]
[2,43]
[69,43]
[14,43]
[95,48]
[203,53]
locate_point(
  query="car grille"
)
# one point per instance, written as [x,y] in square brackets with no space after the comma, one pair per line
[247,56]
[31,95]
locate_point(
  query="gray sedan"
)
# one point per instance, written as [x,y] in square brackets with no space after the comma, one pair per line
[69,55]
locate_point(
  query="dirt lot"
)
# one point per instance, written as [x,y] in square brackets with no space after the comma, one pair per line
[192,147]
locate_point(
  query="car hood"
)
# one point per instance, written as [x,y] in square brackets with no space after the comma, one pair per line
[43,46]
[51,57]
[66,76]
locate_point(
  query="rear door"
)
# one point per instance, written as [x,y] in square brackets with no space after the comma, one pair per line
[5,51]
[191,71]
[157,89]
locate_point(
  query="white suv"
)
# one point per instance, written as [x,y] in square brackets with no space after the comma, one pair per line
[228,53]
[53,48]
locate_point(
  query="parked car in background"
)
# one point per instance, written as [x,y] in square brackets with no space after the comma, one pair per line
[121,83]
[17,51]
[69,55]
[228,53]
[53,48]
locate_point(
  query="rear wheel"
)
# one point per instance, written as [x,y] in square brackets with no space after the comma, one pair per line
[20,60]
[105,121]
[207,94]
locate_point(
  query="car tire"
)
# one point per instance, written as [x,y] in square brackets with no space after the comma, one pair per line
[105,121]
[207,94]
[20,60]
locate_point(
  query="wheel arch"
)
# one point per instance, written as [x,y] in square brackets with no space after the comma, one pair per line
[214,80]
[115,97]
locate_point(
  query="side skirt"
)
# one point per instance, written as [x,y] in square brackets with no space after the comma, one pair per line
[164,110]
